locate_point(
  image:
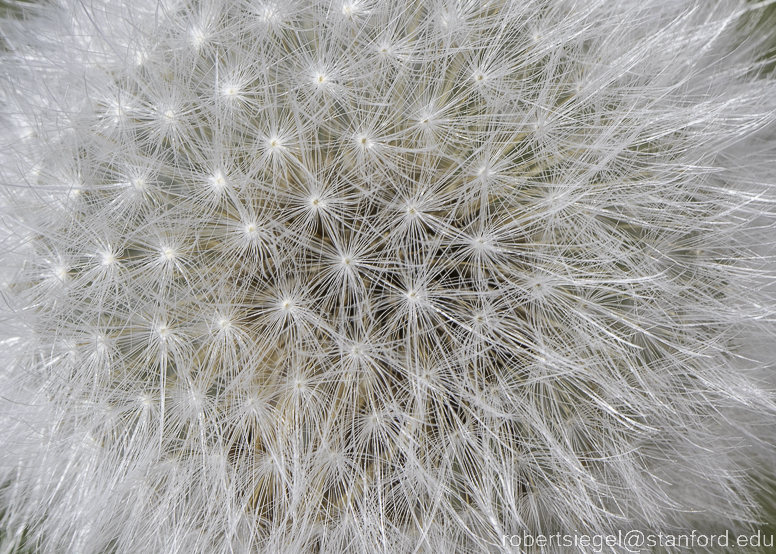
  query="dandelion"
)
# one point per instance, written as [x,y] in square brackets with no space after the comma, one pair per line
[383,276]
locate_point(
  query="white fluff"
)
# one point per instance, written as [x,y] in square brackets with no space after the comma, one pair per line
[381,276]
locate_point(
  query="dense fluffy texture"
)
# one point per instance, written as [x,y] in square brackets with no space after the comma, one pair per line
[381,276]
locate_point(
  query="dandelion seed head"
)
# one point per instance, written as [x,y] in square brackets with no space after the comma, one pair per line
[364,142]
[163,331]
[320,79]
[217,181]
[61,272]
[75,191]
[351,9]
[275,143]
[385,49]
[316,203]
[198,37]
[393,276]
[145,400]
[168,254]
[117,113]
[269,13]
[481,243]
[107,258]
[413,296]
[230,91]
[168,119]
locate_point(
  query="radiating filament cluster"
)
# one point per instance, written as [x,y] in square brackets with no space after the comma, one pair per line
[390,276]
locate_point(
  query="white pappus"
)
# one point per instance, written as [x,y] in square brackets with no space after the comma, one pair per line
[383,275]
